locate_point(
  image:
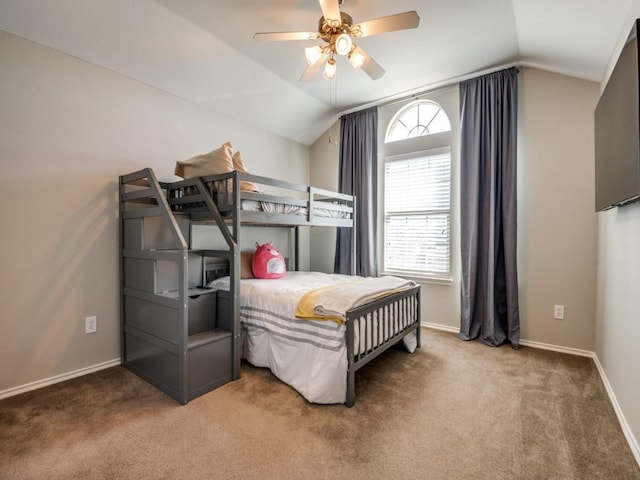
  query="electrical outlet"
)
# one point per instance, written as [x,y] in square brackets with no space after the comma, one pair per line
[558,312]
[91,324]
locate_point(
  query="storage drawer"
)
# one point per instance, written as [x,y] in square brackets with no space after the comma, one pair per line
[158,276]
[153,233]
[202,312]
[153,318]
[209,366]
[155,364]
[164,322]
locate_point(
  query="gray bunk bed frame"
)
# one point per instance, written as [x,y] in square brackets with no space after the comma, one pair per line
[216,201]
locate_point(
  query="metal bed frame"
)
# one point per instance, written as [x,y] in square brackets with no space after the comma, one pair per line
[390,319]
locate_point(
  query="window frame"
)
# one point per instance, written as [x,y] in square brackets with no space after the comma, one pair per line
[405,109]
[444,278]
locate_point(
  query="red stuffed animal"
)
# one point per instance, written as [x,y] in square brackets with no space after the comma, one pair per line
[268,262]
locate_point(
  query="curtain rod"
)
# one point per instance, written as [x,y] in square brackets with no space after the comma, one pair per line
[434,87]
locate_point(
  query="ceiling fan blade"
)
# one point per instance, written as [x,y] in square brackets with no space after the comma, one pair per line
[370,66]
[331,10]
[280,36]
[401,21]
[312,70]
[309,73]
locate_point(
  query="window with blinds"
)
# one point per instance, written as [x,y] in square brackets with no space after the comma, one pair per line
[417,211]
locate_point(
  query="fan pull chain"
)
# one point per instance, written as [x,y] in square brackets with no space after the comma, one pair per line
[330,110]
[333,108]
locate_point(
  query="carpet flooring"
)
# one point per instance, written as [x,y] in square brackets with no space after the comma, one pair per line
[452,410]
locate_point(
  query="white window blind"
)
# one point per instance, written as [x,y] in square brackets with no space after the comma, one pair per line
[417,199]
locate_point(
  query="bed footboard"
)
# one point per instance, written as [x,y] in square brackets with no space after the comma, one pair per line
[377,326]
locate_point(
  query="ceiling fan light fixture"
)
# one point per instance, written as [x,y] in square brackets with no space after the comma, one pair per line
[313,54]
[338,31]
[343,44]
[356,59]
[330,69]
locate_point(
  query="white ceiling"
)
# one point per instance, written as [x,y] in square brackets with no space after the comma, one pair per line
[204,51]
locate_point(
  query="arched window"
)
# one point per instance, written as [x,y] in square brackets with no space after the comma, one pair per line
[417,193]
[422,117]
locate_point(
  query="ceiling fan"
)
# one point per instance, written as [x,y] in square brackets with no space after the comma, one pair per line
[337,30]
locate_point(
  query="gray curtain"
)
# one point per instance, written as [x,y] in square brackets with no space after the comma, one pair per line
[359,176]
[489,294]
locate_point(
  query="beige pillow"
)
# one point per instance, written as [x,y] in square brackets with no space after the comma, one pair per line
[238,165]
[246,258]
[213,163]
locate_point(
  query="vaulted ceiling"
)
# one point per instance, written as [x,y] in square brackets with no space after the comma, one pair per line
[204,51]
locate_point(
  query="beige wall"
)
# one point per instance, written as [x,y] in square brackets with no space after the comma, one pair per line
[69,129]
[618,318]
[323,173]
[557,227]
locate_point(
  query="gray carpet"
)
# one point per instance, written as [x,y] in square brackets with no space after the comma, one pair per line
[452,410]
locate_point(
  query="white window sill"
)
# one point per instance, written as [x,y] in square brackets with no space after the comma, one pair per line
[423,279]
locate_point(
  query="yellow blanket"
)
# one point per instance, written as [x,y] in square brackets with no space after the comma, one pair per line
[332,303]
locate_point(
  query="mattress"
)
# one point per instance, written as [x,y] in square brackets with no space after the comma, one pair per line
[309,355]
[289,209]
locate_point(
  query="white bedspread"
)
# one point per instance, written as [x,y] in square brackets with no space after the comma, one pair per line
[309,355]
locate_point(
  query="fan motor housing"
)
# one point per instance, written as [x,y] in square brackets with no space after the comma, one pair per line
[326,30]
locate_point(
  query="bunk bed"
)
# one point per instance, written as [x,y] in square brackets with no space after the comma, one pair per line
[188,319]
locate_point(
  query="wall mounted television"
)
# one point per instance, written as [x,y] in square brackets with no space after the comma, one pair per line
[617,131]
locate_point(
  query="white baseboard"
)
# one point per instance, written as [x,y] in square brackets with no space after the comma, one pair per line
[437,326]
[557,348]
[626,429]
[528,343]
[58,378]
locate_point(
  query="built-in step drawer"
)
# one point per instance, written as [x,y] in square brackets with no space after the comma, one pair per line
[209,361]
[161,276]
[162,321]
[153,233]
